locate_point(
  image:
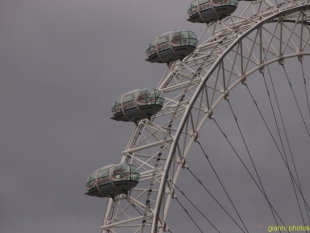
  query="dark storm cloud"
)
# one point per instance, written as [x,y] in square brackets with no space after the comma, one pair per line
[62,64]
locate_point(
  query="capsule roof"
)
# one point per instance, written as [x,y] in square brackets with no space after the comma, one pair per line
[171,46]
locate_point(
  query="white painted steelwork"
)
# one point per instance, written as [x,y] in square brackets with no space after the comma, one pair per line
[229,51]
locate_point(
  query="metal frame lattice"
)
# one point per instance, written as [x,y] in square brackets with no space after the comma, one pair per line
[229,51]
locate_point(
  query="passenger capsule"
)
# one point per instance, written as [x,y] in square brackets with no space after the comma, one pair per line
[171,46]
[137,105]
[112,180]
[206,11]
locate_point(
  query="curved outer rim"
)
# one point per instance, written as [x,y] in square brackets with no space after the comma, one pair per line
[193,100]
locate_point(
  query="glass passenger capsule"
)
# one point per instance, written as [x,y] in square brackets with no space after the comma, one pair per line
[171,46]
[206,11]
[112,180]
[137,105]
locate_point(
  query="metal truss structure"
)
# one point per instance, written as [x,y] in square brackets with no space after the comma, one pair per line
[229,51]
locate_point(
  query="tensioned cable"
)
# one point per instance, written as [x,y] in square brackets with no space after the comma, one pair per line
[288,143]
[252,161]
[275,142]
[248,170]
[222,186]
[296,100]
[274,115]
[282,144]
[302,68]
[188,214]
[283,125]
[199,181]
[194,205]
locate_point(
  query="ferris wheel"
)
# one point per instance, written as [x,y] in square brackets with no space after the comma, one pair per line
[244,62]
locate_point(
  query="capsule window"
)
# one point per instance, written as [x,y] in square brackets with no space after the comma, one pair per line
[141,97]
[145,97]
[116,108]
[91,180]
[150,50]
[117,172]
[151,47]
[163,43]
[163,39]
[128,98]
[159,98]
[205,4]
[160,101]
[193,42]
[128,101]
[150,97]
[103,176]
[193,8]
[217,2]
[234,2]
[103,173]
[175,41]
[184,38]
[153,42]
[121,172]
[184,34]
[135,175]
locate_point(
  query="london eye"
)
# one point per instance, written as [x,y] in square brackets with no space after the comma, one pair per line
[246,55]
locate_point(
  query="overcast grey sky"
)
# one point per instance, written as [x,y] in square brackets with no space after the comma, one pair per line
[62,64]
